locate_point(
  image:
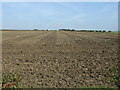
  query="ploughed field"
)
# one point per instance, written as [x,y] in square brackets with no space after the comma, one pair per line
[60,58]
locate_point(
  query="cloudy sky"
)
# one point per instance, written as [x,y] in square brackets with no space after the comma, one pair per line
[55,15]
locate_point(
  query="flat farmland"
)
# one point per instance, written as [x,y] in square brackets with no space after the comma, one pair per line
[52,59]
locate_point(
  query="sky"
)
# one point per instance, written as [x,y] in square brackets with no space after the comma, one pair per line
[56,15]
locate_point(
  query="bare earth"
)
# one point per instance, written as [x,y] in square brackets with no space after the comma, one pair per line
[60,59]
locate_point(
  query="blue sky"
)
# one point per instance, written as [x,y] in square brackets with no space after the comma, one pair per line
[55,15]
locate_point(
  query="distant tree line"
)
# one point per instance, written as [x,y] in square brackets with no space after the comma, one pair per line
[94,31]
[40,30]
[74,30]
[83,30]
[67,30]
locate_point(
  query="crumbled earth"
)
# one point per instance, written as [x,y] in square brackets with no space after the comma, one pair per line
[52,59]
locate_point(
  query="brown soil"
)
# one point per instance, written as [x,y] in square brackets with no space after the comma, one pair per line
[60,59]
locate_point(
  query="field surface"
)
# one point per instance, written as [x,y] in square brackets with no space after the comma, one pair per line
[60,58]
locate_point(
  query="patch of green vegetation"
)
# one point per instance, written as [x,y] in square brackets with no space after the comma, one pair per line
[115,76]
[97,88]
[115,32]
[94,87]
[10,78]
